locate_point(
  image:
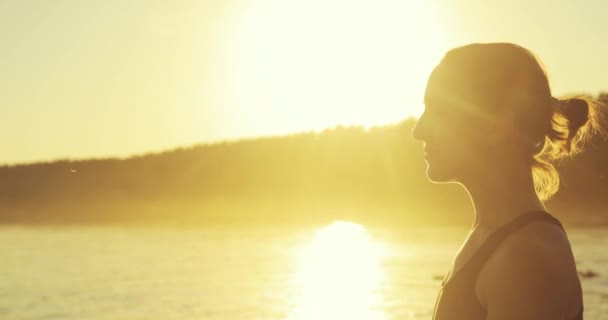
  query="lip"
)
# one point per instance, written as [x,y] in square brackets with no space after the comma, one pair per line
[427,154]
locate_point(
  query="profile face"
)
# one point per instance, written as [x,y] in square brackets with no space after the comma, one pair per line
[456,139]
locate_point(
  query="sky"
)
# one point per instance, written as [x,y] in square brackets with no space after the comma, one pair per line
[94,79]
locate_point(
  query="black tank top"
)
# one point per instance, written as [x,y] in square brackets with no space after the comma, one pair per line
[456,299]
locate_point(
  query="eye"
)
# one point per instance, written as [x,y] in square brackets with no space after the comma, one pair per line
[435,113]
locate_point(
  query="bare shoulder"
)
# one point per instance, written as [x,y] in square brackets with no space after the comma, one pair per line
[532,274]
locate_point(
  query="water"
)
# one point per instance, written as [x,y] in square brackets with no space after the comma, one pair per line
[336,272]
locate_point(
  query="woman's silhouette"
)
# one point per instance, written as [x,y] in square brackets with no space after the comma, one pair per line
[492,125]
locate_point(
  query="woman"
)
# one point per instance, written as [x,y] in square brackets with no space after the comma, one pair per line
[491,124]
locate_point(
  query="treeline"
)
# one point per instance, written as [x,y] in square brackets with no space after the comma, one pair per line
[374,176]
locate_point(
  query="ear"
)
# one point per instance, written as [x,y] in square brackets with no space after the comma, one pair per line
[504,124]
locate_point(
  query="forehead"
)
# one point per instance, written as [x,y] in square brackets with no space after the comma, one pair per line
[457,88]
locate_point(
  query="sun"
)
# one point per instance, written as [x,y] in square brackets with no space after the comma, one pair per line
[340,275]
[318,63]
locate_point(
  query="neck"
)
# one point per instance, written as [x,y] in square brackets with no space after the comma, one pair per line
[501,194]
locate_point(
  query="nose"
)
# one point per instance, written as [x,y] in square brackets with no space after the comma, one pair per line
[419,131]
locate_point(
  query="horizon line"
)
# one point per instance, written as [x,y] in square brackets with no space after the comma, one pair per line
[151,152]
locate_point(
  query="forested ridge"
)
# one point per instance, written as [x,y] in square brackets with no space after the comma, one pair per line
[374,176]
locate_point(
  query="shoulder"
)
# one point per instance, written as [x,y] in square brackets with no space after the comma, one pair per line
[540,242]
[532,274]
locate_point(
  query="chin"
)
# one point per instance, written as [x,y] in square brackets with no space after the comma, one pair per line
[437,174]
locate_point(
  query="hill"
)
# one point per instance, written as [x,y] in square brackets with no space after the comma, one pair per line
[373,176]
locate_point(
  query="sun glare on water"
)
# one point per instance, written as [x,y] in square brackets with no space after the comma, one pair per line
[340,276]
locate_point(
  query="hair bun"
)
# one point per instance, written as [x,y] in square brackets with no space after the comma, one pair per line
[576,111]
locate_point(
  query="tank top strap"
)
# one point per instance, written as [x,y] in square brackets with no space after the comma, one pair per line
[495,239]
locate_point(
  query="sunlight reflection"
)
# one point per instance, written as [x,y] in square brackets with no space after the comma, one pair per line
[339,275]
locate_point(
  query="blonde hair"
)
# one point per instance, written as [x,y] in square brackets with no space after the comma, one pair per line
[573,122]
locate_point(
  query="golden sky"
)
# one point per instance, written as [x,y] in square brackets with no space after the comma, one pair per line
[105,78]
